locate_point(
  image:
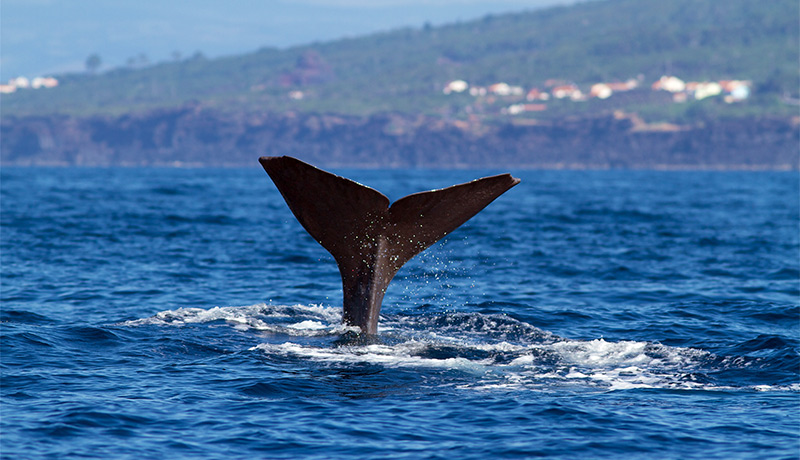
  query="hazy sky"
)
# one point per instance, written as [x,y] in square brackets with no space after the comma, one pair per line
[44,37]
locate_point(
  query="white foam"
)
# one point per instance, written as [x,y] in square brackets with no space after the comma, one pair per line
[402,355]
[541,362]
[308,325]
[316,319]
[612,365]
[596,363]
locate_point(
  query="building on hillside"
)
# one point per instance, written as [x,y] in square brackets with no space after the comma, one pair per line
[601,91]
[500,89]
[604,90]
[570,91]
[477,91]
[537,95]
[455,86]
[736,90]
[23,83]
[670,84]
[44,82]
[517,109]
[705,89]
[20,82]
[628,85]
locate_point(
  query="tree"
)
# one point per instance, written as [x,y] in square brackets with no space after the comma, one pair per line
[93,63]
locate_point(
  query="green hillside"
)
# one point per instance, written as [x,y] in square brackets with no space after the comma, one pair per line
[405,70]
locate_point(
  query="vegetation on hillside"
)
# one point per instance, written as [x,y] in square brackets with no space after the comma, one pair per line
[405,70]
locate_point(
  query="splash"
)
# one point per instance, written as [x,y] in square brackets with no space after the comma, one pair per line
[296,320]
[495,351]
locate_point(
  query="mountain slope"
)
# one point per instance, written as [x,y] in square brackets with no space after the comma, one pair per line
[405,70]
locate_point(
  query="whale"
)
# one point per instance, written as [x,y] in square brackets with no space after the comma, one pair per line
[369,238]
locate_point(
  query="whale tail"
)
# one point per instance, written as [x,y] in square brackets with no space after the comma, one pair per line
[369,239]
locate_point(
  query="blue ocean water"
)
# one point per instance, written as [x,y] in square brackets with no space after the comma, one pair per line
[184,313]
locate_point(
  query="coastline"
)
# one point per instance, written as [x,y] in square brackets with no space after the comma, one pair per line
[193,136]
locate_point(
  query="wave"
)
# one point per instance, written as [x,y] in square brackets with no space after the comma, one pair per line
[498,352]
[295,320]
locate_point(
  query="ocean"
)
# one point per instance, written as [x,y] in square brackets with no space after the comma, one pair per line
[185,313]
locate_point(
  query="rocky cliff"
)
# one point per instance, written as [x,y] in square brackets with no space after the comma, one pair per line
[197,136]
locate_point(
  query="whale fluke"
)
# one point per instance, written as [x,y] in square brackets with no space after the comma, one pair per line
[369,239]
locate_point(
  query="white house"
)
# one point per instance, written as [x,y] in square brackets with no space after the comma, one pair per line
[456,86]
[601,91]
[44,82]
[500,89]
[707,89]
[20,82]
[669,83]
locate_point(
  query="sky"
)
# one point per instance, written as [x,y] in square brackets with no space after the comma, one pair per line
[49,37]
